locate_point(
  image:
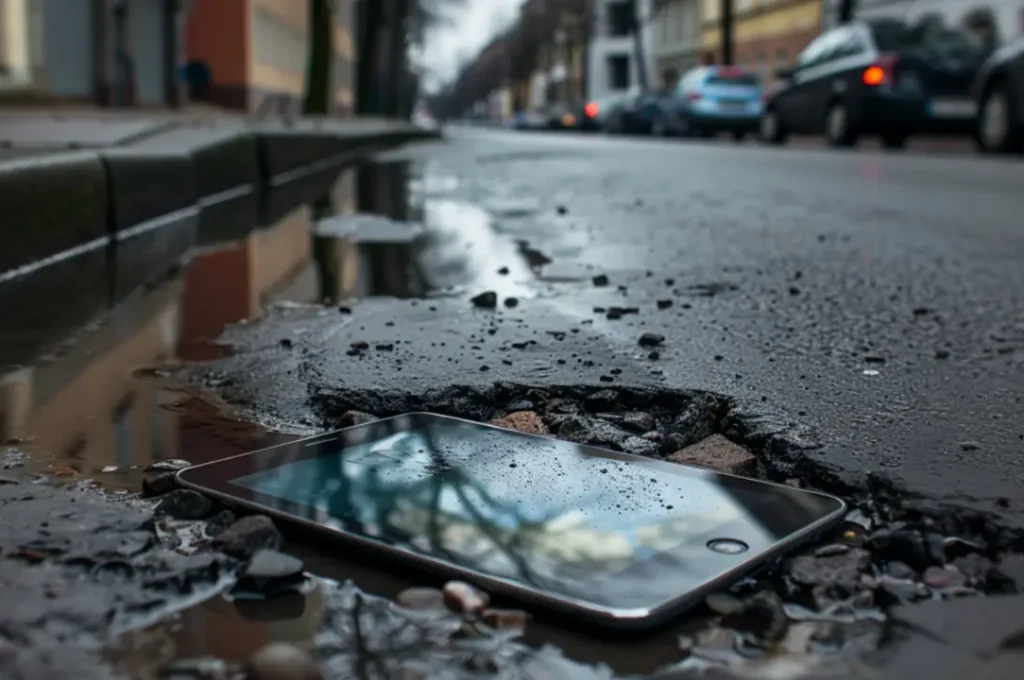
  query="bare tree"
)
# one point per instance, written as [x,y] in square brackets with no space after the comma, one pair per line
[319,85]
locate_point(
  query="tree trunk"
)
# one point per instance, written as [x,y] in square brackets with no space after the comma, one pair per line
[639,49]
[370,18]
[847,8]
[319,85]
[726,29]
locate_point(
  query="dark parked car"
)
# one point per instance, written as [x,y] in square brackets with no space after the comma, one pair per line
[880,77]
[635,113]
[999,91]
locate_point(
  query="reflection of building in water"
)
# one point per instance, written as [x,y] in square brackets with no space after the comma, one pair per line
[989,22]
[84,406]
[383,188]
[230,283]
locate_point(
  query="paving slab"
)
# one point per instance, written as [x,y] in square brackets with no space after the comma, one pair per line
[75,131]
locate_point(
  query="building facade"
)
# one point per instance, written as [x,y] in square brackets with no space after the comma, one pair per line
[612,63]
[676,38]
[254,53]
[767,34]
[108,52]
[991,22]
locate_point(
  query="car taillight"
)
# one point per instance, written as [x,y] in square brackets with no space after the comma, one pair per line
[881,72]
[692,96]
[591,109]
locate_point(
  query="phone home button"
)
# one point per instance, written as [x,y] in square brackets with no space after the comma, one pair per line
[727,546]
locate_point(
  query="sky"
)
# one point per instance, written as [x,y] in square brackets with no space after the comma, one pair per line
[469,29]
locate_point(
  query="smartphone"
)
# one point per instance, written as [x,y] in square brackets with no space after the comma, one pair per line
[619,540]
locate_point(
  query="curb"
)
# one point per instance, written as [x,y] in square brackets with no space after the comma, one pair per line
[128,210]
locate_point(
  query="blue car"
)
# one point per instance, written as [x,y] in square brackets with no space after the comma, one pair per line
[709,100]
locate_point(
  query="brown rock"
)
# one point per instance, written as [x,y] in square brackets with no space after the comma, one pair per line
[719,454]
[527,422]
[282,661]
[463,598]
[505,619]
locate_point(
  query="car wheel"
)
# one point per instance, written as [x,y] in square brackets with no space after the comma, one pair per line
[739,135]
[895,140]
[772,129]
[659,128]
[839,129]
[995,131]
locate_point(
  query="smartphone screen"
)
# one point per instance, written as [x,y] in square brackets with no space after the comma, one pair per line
[578,523]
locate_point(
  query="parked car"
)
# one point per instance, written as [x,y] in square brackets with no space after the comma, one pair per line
[612,113]
[880,77]
[560,116]
[709,100]
[640,114]
[999,93]
[528,120]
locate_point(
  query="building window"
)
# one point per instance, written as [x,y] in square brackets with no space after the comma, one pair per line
[620,18]
[618,72]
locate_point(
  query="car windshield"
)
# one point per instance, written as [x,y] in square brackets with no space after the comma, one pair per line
[892,36]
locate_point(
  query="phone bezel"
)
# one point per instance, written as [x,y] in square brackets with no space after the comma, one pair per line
[215,478]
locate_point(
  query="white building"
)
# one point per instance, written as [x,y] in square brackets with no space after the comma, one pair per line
[611,54]
[993,20]
[676,37]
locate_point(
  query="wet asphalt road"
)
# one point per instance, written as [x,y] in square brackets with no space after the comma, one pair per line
[869,304]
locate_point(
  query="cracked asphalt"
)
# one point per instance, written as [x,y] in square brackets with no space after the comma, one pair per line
[867,305]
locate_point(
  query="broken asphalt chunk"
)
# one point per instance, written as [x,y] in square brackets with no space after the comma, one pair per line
[651,339]
[184,504]
[247,535]
[719,454]
[486,300]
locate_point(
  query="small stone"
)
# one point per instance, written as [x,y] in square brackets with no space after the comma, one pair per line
[839,572]
[344,309]
[421,599]
[654,355]
[941,578]
[901,590]
[969,446]
[942,354]
[831,549]
[485,300]
[271,564]
[664,304]
[184,504]
[165,482]
[503,271]
[168,465]
[600,280]
[463,598]
[562,210]
[523,421]
[286,342]
[511,302]
[505,619]
[353,418]
[219,522]
[719,454]
[900,570]
[249,534]
[282,661]
[651,339]
[724,604]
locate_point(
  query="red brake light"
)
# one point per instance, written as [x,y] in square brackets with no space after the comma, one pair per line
[874,75]
[729,71]
[692,96]
[881,73]
[591,109]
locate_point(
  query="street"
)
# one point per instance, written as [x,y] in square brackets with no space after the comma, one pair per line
[868,305]
[843,322]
